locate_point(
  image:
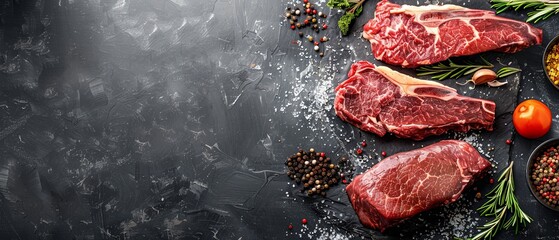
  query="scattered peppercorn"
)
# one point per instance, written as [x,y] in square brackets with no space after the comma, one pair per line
[290,226]
[491,180]
[508,142]
[363,143]
[359,151]
[478,195]
[314,170]
[383,153]
[310,38]
[293,14]
[304,221]
[324,26]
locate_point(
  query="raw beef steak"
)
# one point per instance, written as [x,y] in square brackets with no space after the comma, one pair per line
[407,183]
[380,100]
[411,36]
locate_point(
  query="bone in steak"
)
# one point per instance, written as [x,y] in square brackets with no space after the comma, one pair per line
[380,100]
[407,183]
[411,36]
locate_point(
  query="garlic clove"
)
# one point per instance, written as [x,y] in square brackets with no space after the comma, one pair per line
[496,83]
[483,76]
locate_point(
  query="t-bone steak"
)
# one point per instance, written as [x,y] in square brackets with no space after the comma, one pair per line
[407,183]
[411,36]
[380,100]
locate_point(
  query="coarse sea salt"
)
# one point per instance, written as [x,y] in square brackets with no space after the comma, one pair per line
[308,100]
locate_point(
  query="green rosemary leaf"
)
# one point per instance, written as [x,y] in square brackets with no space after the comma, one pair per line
[501,201]
[542,8]
[452,69]
[507,71]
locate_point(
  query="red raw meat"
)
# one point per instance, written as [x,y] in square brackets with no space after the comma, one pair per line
[405,184]
[411,36]
[380,100]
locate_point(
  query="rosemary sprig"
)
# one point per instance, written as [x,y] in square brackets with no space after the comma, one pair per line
[443,70]
[543,8]
[353,9]
[490,229]
[501,200]
[506,71]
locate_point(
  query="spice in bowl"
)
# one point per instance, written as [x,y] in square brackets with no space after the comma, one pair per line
[552,64]
[544,176]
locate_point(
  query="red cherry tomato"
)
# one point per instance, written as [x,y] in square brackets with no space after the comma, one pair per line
[531,119]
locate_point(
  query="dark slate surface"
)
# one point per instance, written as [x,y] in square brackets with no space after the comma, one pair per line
[172,119]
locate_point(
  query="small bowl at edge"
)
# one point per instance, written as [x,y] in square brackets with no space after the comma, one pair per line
[538,151]
[552,43]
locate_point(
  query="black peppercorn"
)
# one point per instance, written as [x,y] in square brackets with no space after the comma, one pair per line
[314,170]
